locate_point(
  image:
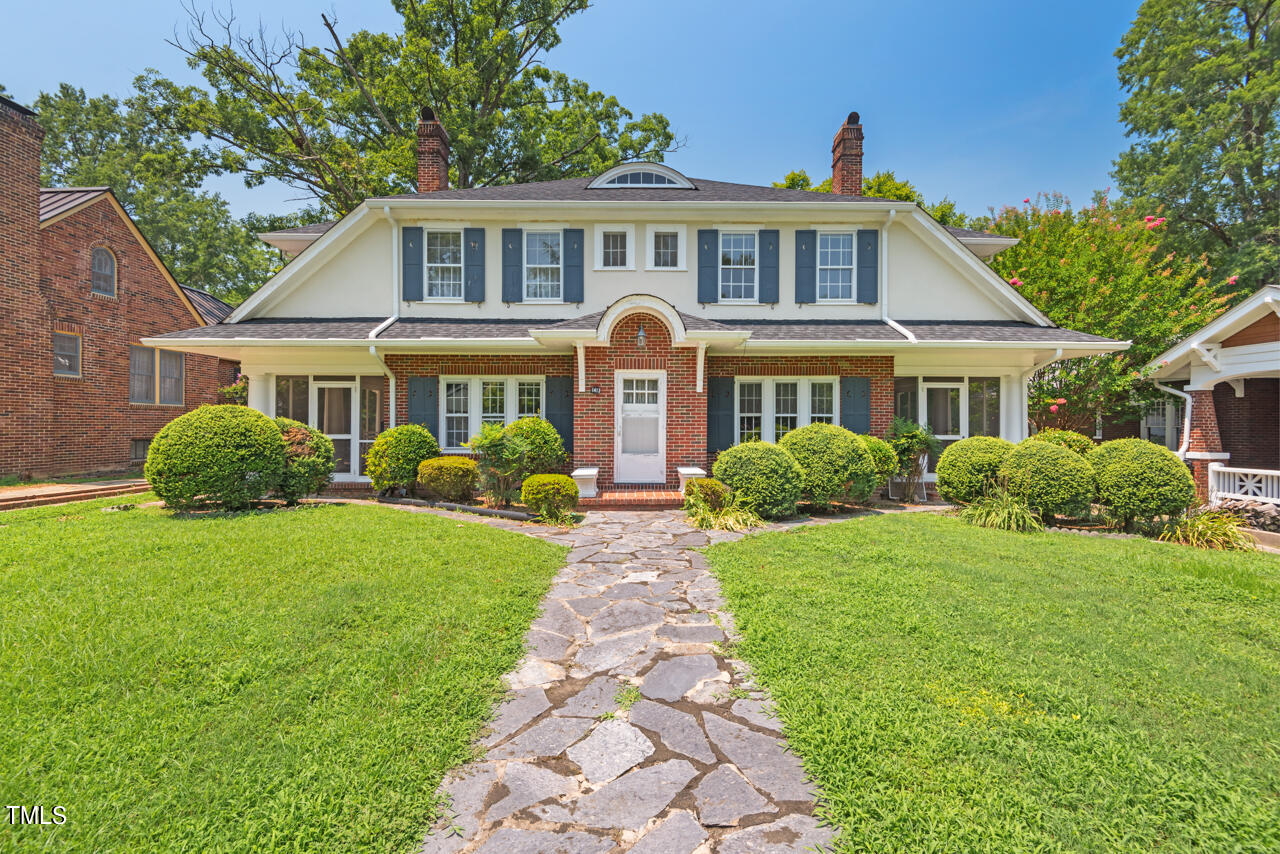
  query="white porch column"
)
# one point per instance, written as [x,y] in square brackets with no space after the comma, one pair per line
[260,392]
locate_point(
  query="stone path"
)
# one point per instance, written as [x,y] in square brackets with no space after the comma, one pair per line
[627,728]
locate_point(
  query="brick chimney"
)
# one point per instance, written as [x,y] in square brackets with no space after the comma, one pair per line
[846,158]
[433,153]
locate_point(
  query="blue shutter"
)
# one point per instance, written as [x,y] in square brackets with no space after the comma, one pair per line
[855,404]
[868,265]
[424,407]
[512,265]
[473,264]
[719,413]
[708,265]
[806,265]
[572,264]
[411,258]
[767,259]
[559,408]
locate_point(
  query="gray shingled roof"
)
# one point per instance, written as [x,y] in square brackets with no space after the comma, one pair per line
[212,310]
[285,329]
[997,330]
[59,200]
[577,190]
[591,321]
[454,328]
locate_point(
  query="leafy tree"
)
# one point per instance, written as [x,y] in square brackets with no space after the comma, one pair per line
[1101,270]
[883,185]
[338,122]
[123,145]
[1203,78]
[801,181]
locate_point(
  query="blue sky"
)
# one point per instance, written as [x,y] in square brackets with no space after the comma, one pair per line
[985,102]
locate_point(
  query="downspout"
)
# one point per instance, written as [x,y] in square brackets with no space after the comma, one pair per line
[1026,377]
[1186,417]
[884,296]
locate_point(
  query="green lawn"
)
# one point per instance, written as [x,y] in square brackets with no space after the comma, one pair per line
[292,680]
[958,689]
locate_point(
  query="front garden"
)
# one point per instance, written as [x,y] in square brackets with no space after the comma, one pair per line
[293,679]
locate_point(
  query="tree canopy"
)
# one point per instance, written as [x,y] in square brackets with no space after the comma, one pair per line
[338,121]
[883,185]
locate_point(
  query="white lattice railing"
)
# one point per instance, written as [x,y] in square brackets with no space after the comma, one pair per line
[1226,483]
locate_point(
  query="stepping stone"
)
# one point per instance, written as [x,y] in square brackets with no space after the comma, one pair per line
[697,560]
[513,840]
[592,701]
[535,671]
[549,738]
[679,834]
[608,654]
[676,729]
[528,784]
[708,633]
[614,748]
[661,587]
[724,797]
[705,600]
[627,590]
[558,619]
[644,576]
[608,557]
[629,801]
[624,616]
[757,713]
[794,834]
[581,553]
[760,758]
[672,679]
[467,789]
[595,579]
[547,646]
[526,705]
[587,605]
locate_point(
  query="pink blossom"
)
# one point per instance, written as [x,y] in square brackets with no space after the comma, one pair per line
[1231,280]
[1016,282]
[1148,218]
[1164,362]
[1062,400]
[1026,201]
[1053,408]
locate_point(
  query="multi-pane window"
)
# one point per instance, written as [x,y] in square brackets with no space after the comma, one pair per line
[171,367]
[138,450]
[666,249]
[457,413]
[614,249]
[156,376]
[542,265]
[906,398]
[292,398]
[528,399]
[472,402]
[66,354]
[786,408]
[750,411]
[737,266]
[643,392]
[768,409]
[984,406]
[444,264]
[835,266]
[142,375]
[103,275]
[638,178]
[822,402]
[493,402]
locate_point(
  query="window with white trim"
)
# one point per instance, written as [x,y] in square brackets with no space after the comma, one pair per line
[835,266]
[471,402]
[664,246]
[640,177]
[443,263]
[542,266]
[768,409]
[738,266]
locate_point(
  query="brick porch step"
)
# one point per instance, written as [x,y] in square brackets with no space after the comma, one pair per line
[84,492]
[633,499]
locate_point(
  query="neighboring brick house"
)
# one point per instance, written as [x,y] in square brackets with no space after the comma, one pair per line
[1226,379]
[653,318]
[80,287]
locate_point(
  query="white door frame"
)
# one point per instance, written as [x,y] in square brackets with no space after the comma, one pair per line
[661,377]
[963,387]
[353,421]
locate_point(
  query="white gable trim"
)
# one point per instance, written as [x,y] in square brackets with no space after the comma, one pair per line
[1228,323]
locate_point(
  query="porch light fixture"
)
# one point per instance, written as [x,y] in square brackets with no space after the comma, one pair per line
[641,338]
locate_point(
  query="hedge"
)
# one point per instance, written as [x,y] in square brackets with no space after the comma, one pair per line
[766,477]
[308,460]
[712,491]
[1138,479]
[395,455]
[550,496]
[1051,479]
[223,456]
[448,479]
[969,468]
[831,459]
[1068,439]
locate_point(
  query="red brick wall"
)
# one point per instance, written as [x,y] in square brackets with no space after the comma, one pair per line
[1204,438]
[1249,426]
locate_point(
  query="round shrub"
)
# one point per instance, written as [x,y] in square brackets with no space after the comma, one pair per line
[883,458]
[308,460]
[538,443]
[831,459]
[395,455]
[1069,439]
[712,491]
[549,495]
[1052,480]
[968,469]
[764,476]
[448,478]
[1138,479]
[222,456]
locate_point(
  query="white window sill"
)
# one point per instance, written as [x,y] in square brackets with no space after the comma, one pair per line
[841,302]
[543,301]
[613,269]
[723,301]
[438,300]
[666,269]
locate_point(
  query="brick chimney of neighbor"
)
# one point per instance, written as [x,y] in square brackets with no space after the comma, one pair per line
[433,153]
[846,158]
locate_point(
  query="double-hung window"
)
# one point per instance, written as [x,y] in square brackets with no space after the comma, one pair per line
[66,354]
[156,376]
[472,402]
[768,409]
[737,266]
[835,266]
[542,266]
[665,246]
[102,279]
[444,265]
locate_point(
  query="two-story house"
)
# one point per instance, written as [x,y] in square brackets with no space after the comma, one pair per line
[655,319]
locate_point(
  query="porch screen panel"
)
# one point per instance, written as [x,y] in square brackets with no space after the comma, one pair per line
[906,398]
[142,375]
[291,398]
[334,410]
[984,406]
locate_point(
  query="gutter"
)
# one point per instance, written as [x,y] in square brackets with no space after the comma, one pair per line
[1186,417]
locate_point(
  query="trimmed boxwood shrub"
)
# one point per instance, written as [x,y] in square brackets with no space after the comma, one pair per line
[831,459]
[1052,480]
[538,442]
[448,478]
[395,455]
[308,460]
[766,478]
[712,491]
[883,458]
[221,456]
[1069,439]
[968,469]
[551,496]
[1138,479]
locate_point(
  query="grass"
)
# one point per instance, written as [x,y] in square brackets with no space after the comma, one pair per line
[294,680]
[959,689]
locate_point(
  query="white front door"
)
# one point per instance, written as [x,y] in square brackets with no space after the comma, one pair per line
[640,427]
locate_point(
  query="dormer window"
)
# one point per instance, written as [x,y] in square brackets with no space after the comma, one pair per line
[640,176]
[651,175]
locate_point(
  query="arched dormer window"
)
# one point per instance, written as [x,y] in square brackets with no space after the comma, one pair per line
[104,272]
[641,175]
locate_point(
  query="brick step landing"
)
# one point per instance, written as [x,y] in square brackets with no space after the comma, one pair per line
[633,499]
[63,496]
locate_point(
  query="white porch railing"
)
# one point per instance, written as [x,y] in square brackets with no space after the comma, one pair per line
[1227,483]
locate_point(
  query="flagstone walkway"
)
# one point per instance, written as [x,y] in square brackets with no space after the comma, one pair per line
[628,729]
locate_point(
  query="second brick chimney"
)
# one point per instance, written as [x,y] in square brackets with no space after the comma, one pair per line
[846,158]
[433,153]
